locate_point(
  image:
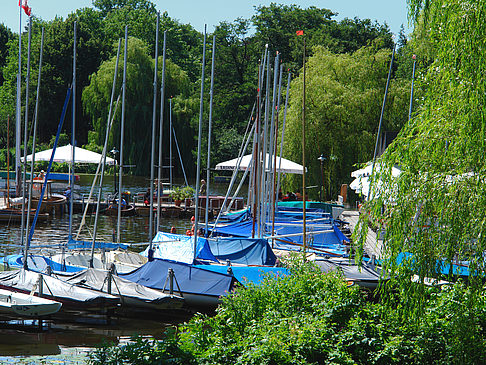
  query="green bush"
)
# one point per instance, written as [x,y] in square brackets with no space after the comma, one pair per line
[315,318]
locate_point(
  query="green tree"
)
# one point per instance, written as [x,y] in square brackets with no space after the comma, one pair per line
[344,94]
[5,36]
[138,116]
[276,25]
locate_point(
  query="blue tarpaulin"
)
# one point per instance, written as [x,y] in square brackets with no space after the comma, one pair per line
[327,240]
[248,251]
[248,274]
[191,279]
[177,247]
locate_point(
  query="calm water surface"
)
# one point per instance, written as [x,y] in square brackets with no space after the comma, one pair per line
[67,341]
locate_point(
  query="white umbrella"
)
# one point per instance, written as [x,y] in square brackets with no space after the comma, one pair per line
[64,154]
[366,171]
[286,166]
[361,183]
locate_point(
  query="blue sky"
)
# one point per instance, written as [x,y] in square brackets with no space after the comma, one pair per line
[211,12]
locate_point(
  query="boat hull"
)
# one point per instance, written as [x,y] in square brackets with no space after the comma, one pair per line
[13,303]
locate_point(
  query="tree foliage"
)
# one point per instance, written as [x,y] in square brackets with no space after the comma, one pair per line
[237,57]
[435,210]
[139,101]
[344,94]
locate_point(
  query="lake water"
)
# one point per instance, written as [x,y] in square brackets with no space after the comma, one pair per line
[67,341]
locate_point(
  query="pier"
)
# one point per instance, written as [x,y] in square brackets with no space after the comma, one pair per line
[373,245]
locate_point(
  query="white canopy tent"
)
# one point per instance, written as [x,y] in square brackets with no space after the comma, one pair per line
[286,166]
[64,154]
[361,183]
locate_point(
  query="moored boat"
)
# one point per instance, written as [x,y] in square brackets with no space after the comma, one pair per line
[71,296]
[13,303]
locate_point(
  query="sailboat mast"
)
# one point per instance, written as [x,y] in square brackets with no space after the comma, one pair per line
[107,134]
[34,133]
[198,173]
[73,135]
[122,134]
[170,143]
[256,155]
[18,135]
[161,134]
[378,136]
[26,130]
[263,190]
[8,161]
[283,130]
[152,151]
[208,164]
[274,177]
[303,158]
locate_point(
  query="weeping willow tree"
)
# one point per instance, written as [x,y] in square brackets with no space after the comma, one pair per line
[434,214]
[139,103]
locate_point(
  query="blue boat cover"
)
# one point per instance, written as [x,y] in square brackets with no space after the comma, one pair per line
[180,248]
[321,240]
[333,239]
[248,251]
[248,274]
[76,245]
[191,279]
[237,216]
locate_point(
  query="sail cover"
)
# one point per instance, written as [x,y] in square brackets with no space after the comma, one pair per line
[189,278]
[248,251]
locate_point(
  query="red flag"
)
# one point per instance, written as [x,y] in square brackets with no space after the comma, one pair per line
[23,4]
[300,32]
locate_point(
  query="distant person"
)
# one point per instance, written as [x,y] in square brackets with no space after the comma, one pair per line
[67,193]
[298,195]
[280,195]
[290,196]
[146,197]
[202,188]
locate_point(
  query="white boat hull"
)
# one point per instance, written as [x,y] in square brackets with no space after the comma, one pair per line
[14,303]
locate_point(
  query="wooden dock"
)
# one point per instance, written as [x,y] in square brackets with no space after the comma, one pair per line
[373,245]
